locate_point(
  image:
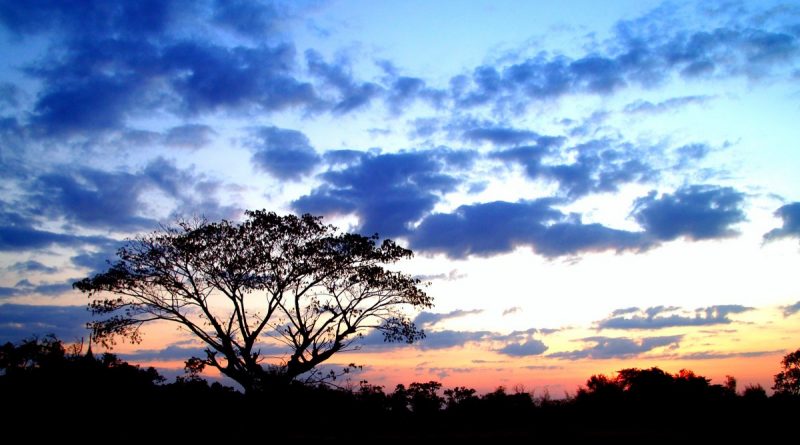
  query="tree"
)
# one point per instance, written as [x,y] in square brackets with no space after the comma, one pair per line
[788,381]
[288,278]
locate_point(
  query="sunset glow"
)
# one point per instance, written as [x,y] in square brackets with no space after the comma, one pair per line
[585,188]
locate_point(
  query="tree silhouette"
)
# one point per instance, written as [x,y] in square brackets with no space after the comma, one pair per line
[788,381]
[288,278]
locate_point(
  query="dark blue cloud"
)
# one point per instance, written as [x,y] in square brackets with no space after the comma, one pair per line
[285,154]
[25,287]
[20,321]
[659,317]
[696,212]
[790,214]
[500,135]
[94,198]
[20,238]
[498,227]
[643,53]
[102,83]
[192,136]
[247,18]
[92,104]
[598,166]
[96,261]
[342,157]
[618,347]
[9,95]
[208,77]
[110,62]
[351,93]
[120,200]
[32,266]
[87,17]
[388,192]
[404,91]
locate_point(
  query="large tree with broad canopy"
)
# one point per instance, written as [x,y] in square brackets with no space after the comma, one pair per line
[240,286]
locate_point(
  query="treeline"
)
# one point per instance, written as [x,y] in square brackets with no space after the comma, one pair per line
[42,380]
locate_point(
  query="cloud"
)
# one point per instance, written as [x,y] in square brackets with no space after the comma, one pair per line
[643,106]
[497,227]
[791,309]
[440,339]
[32,266]
[25,287]
[191,136]
[659,317]
[696,212]
[600,165]
[618,347]
[711,355]
[404,91]
[19,321]
[790,214]
[87,18]
[352,94]
[388,192]
[500,135]
[10,95]
[527,348]
[247,18]
[512,310]
[234,78]
[170,353]
[516,343]
[443,372]
[121,200]
[453,275]
[449,339]
[20,238]
[118,63]
[283,153]
[429,319]
[690,153]
[645,52]
[96,261]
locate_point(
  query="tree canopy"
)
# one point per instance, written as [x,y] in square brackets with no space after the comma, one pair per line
[788,380]
[271,278]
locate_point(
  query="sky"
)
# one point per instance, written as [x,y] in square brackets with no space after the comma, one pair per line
[585,188]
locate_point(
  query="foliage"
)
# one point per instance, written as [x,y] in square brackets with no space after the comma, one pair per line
[60,385]
[288,278]
[787,382]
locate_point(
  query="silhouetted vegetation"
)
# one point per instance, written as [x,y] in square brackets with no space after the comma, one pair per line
[66,386]
[787,382]
[232,285]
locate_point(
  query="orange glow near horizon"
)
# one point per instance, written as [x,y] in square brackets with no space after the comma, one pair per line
[712,353]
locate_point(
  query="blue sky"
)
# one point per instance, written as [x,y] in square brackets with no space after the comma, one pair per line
[586,187]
